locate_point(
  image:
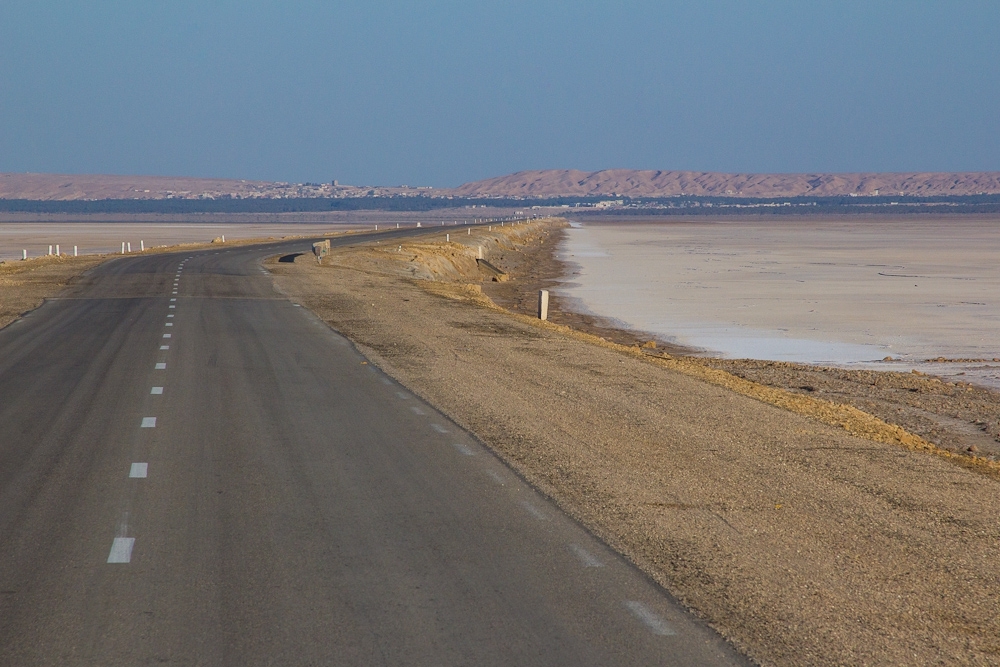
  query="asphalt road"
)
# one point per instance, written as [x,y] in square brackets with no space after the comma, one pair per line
[195,471]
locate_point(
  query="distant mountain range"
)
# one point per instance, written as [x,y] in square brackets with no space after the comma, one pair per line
[522,185]
[634,183]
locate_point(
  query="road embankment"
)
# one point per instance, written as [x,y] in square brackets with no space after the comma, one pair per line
[804,541]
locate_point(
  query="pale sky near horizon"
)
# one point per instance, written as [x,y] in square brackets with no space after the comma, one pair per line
[442,92]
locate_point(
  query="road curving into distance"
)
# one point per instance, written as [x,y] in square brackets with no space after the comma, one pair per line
[194,470]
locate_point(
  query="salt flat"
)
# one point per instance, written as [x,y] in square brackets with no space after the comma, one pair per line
[838,291]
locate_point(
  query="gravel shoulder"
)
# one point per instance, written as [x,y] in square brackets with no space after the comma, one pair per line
[807,531]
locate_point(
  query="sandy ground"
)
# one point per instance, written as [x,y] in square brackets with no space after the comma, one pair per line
[804,544]
[810,290]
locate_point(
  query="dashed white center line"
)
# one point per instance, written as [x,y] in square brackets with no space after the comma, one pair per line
[417,410]
[166,335]
[171,306]
[164,347]
[170,315]
[403,395]
[462,449]
[173,299]
[495,476]
[156,390]
[649,618]
[169,324]
[588,559]
[121,550]
[148,422]
[138,470]
[439,428]
[161,366]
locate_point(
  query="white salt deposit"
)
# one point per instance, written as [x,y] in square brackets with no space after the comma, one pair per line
[838,292]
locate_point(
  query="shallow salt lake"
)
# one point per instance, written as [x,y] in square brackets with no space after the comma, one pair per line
[836,291]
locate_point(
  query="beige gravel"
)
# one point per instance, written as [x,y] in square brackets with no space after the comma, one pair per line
[803,544]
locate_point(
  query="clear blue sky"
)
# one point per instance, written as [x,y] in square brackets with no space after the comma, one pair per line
[443,92]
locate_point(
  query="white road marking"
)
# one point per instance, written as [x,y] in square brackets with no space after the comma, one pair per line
[170,315]
[462,449]
[588,559]
[148,422]
[171,306]
[166,335]
[495,476]
[138,470]
[121,550]
[403,395]
[164,347]
[156,390]
[161,366]
[170,324]
[649,618]
[439,428]
[173,299]
[386,381]
[417,410]
[174,292]
[534,511]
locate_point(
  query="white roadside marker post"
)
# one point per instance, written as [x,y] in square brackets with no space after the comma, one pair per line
[129,245]
[543,304]
[57,250]
[142,246]
[24,254]
[123,247]
[75,251]
[447,238]
[480,252]
[50,250]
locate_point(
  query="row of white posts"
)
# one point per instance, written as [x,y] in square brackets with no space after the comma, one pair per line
[55,250]
[127,246]
[478,221]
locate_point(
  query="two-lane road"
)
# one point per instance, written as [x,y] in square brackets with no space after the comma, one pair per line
[193,470]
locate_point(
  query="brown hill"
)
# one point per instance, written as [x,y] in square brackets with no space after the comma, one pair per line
[94,186]
[635,183]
